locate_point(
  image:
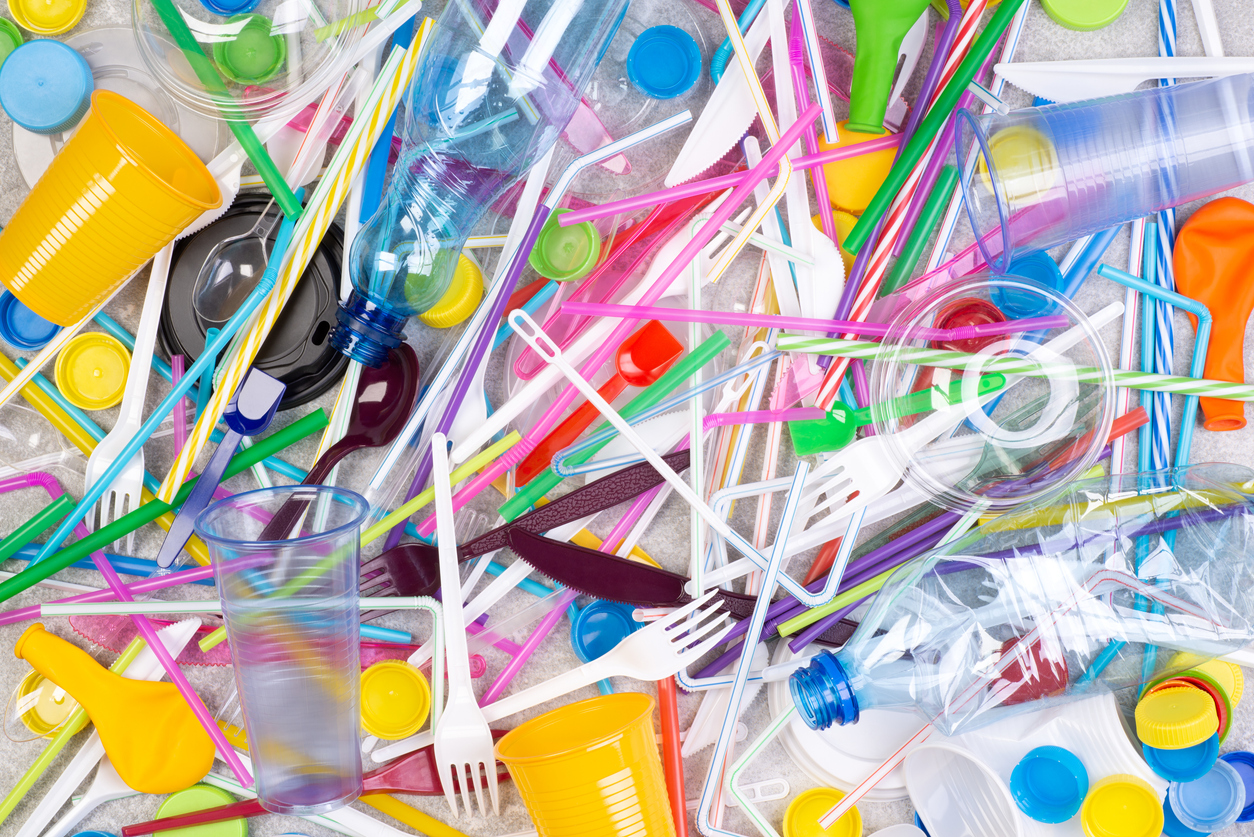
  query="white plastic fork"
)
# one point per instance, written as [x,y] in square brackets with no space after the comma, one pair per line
[463,742]
[654,652]
[125,493]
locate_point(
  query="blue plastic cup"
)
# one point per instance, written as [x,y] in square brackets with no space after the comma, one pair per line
[1048,175]
[292,619]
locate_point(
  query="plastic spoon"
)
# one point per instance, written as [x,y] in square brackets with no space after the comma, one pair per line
[641,359]
[232,269]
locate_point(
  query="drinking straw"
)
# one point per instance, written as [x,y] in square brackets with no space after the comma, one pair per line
[138,588]
[1123,396]
[208,75]
[180,608]
[712,788]
[28,531]
[923,229]
[1163,267]
[141,567]
[810,40]
[70,727]
[942,109]
[797,41]
[421,822]
[685,315]
[649,397]
[152,509]
[720,183]
[309,230]
[511,274]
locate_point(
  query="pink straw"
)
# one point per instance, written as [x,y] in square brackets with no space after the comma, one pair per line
[551,416]
[727,181]
[687,315]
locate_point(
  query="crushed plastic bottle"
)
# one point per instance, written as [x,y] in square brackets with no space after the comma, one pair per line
[492,93]
[1050,602]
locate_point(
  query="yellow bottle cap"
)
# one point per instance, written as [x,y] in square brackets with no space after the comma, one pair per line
[462,297]
[1227,675]
[42,705]
[1172,719]
[47,17]
[802,817]
[395,700]
[1122,806]
[91,371]
[1026,163]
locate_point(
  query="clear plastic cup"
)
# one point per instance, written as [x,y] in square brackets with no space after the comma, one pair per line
[1034,436]
[591,768]
[121,189]
[1045,176]
[292,620]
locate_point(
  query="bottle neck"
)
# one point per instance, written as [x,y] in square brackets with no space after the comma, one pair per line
[366,332]
[823,694]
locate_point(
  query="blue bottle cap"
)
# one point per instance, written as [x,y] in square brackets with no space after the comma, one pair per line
[1185,765]
[664,62]
[1172,826]
[1049,784]
[1243,763]
[21,327]
[45,86]
[1211,802]
[599,627]
[1039,268]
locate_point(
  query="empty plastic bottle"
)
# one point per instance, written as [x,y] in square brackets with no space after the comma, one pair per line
[495,88]
[1051,602]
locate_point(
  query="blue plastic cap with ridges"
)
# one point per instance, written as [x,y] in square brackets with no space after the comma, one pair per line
[822,693]
[21,327]
[1243,762]
[1210,803]
[45,86]
[1186,764]
[1049,784]
[664,62]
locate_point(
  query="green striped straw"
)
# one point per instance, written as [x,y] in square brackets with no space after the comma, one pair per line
[1007,365]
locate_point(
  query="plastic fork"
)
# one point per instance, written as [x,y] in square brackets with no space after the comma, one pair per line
[106,787]
[463,742]
[654,652]
[124,494]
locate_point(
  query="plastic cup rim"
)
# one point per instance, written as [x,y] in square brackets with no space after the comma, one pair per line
[646,711]
[972,121]
[292,491]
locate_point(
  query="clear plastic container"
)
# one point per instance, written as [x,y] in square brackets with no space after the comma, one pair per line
[293,623]
[1045,176]
[1045,603]
[1030,439]
[492,101]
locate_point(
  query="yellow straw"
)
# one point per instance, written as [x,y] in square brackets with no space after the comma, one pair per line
[412,817]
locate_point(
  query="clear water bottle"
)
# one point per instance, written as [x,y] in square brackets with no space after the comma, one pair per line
[1052,601]
[493,91]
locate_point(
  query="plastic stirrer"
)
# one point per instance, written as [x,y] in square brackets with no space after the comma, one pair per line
[685,315]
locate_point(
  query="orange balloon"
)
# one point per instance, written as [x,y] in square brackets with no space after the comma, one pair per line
[1214,250]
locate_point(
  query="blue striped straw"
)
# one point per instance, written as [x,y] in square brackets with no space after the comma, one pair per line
[1163,275]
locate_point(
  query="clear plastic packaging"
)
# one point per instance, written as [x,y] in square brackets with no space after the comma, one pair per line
[1051,602]
[1045,176]
[498,88]
[1030,439]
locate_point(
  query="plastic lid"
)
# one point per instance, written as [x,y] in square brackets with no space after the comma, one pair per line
[230,7]
[1185,764]
[1049,784]
[1171,719]
[21,327]
[91,371]
[599,627]
[47,17]
[1122,806]
[565,254]
[395,700]
[1227,675]
[664,62]
[253,55]
[1084,15]
[198,798]
[10,38]
[1172,826]
[45,86]
[462,297]
[802,817]
[1243,763]
[1040,268]
[1223,706]
[1211,802]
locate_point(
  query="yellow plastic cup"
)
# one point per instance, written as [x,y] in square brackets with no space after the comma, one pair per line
[591,768]
[121,189]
